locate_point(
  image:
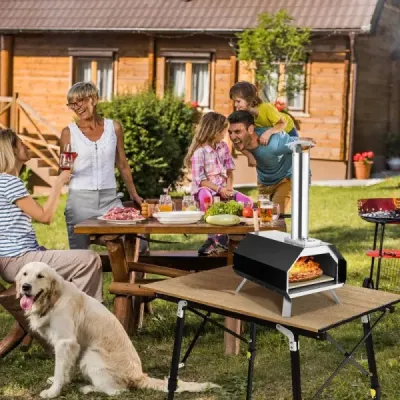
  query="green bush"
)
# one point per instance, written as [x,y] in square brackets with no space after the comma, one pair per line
[25,176]
[157,133]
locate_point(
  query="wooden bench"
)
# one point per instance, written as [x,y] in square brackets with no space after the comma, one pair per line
[187,260]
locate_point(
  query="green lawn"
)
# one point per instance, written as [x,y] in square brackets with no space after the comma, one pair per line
[333,218]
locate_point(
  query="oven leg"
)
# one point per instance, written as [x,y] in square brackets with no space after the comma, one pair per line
[294,360]
[176,354]
[286,308]
[251,355]
[335,297]
[369,345]
[241,284]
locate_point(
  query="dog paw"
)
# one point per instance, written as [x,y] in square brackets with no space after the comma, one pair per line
[87,389]
[50,393]
[50,380]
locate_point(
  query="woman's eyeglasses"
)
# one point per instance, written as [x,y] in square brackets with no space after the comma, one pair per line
[77,103]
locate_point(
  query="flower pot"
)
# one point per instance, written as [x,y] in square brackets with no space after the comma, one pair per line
[362,169]
[394,163]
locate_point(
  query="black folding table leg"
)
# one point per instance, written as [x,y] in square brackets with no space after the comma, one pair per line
[294,360]
[176,354]
[251,358]
[369,345]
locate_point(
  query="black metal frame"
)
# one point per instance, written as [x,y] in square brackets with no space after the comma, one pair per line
[292,334]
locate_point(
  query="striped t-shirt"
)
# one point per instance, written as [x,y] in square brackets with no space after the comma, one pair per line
[16,231]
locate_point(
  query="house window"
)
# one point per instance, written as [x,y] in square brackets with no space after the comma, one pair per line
[296,101]
[99,71]
[190,79]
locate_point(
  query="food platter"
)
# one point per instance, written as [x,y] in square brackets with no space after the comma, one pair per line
[122,221]
[122,216]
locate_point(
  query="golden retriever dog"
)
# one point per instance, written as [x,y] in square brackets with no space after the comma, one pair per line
[83,331]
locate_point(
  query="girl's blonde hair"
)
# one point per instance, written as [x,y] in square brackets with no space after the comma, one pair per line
[8,143]
[247,91]
[82,89]
[211,124]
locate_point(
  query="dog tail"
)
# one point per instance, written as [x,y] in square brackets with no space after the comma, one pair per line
[145,382]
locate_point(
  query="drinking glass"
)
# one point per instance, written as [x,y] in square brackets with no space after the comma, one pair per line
[67,158]
[188,203]
[262,197]
[165,204]
[268,212]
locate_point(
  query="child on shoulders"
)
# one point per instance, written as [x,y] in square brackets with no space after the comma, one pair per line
[245,97]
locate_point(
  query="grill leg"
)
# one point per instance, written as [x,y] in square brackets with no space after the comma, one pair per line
[378,271]
[294,359]
[176,354]
[251,356]
[375,387]
[371,272]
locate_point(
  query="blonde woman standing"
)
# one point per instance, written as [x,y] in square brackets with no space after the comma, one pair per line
[99,143]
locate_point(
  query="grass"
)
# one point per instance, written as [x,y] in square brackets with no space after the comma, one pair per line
[333,218]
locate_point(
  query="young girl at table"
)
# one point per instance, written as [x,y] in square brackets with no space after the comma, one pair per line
[212,168]
[245,97]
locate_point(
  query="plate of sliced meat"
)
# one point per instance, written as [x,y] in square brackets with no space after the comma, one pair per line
[122,215]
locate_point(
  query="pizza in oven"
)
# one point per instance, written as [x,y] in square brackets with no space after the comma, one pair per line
[305,269]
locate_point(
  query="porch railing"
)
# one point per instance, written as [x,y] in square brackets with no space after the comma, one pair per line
[15,107]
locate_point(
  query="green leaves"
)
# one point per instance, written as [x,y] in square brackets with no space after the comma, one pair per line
[275,41]
[157,133]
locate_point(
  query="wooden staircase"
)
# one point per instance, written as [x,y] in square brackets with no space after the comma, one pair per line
[39,135]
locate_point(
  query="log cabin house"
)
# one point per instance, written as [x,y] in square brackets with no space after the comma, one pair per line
[352,75]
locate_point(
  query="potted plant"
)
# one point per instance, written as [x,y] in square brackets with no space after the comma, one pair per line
[393,151]
[363,164]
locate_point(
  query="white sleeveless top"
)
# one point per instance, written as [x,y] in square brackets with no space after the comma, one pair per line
[94,166]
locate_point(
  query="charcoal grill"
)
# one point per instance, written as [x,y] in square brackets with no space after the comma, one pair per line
[267,257]
[382,211]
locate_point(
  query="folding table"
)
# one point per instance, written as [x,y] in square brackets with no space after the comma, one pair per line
[312,316]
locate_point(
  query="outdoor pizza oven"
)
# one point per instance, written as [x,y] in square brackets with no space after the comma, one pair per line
[268,257]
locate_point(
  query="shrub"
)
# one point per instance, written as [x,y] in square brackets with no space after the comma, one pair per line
[157,133]
[25,176]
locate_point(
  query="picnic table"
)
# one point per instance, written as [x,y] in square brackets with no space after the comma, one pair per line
[122,245]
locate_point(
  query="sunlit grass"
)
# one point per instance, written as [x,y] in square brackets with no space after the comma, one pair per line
[333,218]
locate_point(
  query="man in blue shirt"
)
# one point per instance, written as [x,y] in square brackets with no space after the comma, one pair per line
[274,161]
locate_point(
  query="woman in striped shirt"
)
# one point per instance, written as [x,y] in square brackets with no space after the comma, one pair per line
[18,242]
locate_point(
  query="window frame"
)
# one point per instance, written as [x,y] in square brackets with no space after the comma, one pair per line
[306,92]
[189,58]
[94,54]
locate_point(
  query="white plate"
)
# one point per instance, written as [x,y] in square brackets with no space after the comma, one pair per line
[179,217]
[122,221]
[178,221]
[179,214]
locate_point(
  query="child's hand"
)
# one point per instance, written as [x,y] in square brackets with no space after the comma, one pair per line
[225,193]
[264,138]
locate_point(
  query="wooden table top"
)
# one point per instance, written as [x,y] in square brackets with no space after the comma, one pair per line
[313,313]
[94,226]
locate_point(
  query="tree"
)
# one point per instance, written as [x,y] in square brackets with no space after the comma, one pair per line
[157,133]
[276,42]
